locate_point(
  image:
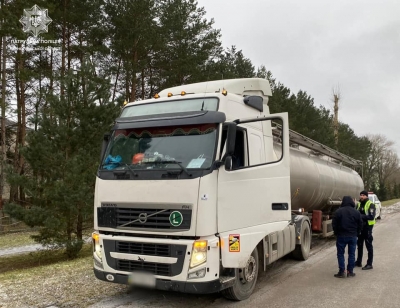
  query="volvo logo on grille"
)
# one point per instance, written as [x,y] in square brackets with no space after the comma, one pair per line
[142,217]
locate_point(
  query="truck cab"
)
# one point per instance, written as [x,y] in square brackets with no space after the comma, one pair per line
[194,194]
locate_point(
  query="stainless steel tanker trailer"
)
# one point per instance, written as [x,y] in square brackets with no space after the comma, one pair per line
[319,178]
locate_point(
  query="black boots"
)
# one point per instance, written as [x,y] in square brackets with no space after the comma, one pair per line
[367,267]
[343,275]
[350,274]
[340,275]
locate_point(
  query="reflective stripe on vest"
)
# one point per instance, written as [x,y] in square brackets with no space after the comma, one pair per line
[366,208]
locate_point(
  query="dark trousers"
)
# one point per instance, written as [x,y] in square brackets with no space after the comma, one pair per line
[341,243]
[365,236]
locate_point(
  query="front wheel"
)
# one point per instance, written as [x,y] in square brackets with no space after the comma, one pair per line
[246,279]
[302,250]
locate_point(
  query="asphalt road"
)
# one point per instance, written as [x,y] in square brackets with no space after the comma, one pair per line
[288,283]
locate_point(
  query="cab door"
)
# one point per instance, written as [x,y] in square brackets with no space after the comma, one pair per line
[254,183]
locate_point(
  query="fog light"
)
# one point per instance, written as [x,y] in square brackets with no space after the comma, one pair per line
[110,277]
[97,263]
[197,274]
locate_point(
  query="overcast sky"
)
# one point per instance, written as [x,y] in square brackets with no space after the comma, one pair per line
[317,45]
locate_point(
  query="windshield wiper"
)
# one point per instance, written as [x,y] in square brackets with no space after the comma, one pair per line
[174,162]
[120,164]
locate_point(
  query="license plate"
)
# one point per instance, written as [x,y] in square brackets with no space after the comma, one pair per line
[142,280]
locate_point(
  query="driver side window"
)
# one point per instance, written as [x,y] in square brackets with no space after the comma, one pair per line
[239,157]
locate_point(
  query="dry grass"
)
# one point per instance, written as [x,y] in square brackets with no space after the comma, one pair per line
[11,240]
[62,284]
[390,202]
[37,258]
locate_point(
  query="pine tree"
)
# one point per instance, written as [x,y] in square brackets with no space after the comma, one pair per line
[63,155]
[132,33]
[231,64]
[189,42]
[72,111]
[396,190]
[383,192]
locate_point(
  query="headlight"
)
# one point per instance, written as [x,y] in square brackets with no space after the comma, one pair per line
[199,253]
[96,244]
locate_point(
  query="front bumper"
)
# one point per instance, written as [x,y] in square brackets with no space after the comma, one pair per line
[212,286]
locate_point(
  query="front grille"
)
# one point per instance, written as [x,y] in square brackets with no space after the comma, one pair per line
[114,217]
[143,249]
[154,268]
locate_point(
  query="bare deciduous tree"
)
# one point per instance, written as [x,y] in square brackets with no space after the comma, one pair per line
[336,100]
[383,161]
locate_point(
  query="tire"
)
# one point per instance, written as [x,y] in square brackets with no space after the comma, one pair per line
[246,279]
[378,212]
[302,250]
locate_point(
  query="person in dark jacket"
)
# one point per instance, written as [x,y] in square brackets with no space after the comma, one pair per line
[347,225]
[367,211]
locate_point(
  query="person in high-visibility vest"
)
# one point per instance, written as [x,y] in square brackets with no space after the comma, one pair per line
[367,210]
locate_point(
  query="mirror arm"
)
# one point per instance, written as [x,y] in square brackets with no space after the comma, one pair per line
[217,164]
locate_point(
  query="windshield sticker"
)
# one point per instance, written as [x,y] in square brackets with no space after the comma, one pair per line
[196,163]
[234,243]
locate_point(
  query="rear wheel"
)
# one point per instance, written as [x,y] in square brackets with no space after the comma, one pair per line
[302,250]
[246,279]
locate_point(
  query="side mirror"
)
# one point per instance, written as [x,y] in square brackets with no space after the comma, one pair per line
[228,163]
[106,139]
[230,139]
[254,101]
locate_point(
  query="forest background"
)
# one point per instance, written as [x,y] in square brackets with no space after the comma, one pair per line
[61,92]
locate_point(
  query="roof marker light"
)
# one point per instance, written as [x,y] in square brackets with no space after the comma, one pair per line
[156,95]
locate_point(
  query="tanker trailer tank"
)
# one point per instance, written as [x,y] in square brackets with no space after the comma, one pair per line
[315,182]
[318,184]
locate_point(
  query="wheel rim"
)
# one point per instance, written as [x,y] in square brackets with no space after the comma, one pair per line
[248,273]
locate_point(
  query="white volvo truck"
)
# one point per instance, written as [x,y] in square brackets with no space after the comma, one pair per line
[200,188]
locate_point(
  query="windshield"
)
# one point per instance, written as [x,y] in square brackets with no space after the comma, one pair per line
[189,146]
[183,105]
[373,198]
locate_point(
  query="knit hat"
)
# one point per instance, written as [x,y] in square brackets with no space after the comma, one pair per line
[364,192]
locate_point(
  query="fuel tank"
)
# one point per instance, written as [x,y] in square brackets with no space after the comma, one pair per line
[320,184]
